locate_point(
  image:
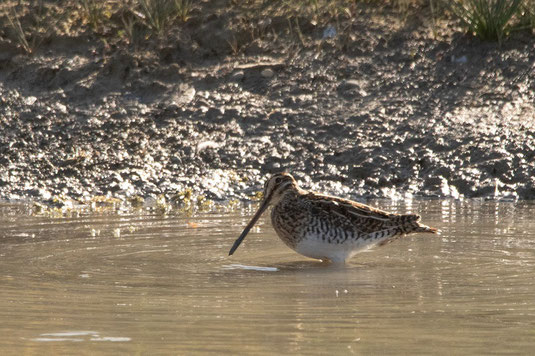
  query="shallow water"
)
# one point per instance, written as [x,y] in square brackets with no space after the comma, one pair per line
[142,284]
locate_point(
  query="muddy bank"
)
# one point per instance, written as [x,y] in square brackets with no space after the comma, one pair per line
[387,110]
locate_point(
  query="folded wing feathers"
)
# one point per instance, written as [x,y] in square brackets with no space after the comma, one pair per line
[365,217]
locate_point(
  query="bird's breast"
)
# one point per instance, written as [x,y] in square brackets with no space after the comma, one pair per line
[288,220]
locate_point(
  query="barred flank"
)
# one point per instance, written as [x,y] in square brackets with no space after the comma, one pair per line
[403,219]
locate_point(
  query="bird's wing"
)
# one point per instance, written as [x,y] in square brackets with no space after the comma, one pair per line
[364,218]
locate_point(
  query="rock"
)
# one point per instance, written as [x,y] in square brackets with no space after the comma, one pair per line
[267,73]
[180,109]
[351,88]
[61,108]
[329,32]
[30,100]
[461,59]
[237,76]
[272,167]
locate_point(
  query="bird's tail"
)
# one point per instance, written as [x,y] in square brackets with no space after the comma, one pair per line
[409,223]
[396,232]
[424,228]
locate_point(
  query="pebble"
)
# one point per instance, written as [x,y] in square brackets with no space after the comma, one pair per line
[267,73]
[352,88]
[61,108]
[398,130]
[237,76]
[30,100]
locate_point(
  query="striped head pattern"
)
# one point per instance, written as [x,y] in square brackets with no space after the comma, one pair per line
[274,190]
[277,185]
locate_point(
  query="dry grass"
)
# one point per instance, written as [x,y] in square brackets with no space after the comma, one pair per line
[28,23]
[29,26]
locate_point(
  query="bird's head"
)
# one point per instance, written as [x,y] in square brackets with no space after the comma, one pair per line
[277,186]
[274,189]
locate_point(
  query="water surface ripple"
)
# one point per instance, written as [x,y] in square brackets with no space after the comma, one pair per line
[143,284]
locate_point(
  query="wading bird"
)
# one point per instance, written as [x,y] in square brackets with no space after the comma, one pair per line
[325,227]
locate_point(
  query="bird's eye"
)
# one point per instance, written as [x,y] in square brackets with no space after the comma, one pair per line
[278,180]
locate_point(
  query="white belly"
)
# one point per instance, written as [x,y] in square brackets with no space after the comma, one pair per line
[337,253]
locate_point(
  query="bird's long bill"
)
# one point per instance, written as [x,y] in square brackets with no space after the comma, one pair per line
[249,226]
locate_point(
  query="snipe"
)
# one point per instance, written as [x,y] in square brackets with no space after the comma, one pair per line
[325,227]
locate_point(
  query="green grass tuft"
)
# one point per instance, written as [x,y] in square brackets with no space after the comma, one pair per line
[487,19]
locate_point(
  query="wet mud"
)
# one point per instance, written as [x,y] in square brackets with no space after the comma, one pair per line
[383,108]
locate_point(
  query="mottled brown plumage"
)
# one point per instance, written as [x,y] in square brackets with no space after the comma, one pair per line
[326,227]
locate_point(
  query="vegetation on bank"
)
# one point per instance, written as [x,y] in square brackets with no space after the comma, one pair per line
[29,24]
[184,203]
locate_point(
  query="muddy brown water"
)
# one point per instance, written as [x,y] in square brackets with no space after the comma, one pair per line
[143,284]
